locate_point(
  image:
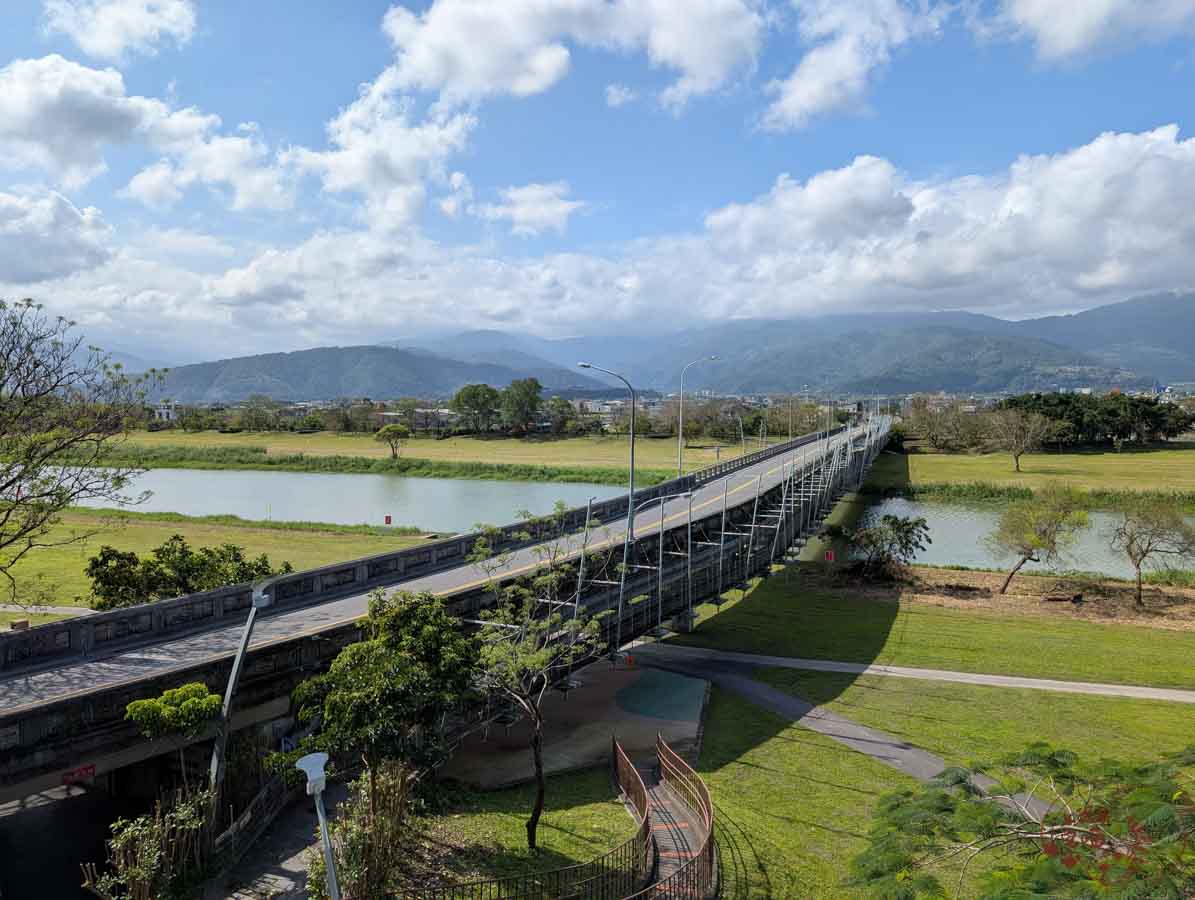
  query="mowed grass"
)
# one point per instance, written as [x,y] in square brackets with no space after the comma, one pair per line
[7,618]
[967,723]
[583,819]
[794,805]
[55,575]
[803,616]
[1155,470]
[606,451]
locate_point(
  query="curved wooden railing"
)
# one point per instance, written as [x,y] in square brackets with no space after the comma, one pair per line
[697,878]
[618,873]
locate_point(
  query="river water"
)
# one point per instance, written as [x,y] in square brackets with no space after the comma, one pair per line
[434,504]
[959,531]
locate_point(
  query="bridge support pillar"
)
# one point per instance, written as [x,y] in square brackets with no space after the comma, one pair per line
[683,622]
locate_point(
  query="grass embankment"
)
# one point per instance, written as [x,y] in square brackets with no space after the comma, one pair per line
[806,616]
[598,460]
[53,576]
[1107,477]
[482,835]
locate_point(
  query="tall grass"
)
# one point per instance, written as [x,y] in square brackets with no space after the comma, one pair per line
[169,456]
[237,522]
[987,492]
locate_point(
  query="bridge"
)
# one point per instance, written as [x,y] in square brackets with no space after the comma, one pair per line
[64,686]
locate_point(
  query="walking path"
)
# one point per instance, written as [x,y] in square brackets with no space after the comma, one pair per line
[701,656]
[676,828]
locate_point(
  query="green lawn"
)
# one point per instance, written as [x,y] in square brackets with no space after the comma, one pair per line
[583,819]
[654,457]
[801,615]
[966,723]
[1162,470]
[6,618]
[54,575]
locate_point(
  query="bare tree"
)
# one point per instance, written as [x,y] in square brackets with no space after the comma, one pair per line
[1018,432]
[62,404]
[1151,532]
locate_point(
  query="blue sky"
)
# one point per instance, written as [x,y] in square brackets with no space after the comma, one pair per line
[191,178]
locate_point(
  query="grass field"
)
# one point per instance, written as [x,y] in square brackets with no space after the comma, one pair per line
[485,835]
[54,575]
[603,457]
[966,723]
[804,616]
[1169,471]
[34,618]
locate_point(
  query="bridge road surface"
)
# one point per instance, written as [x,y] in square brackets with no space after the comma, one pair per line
[83,674]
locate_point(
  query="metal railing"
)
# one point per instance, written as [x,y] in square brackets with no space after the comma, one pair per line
[698,877]
[616,874]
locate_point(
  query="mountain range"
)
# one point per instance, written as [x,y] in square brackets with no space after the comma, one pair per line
[1128,344]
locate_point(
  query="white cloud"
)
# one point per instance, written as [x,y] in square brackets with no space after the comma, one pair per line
[466,50]
[532,208]
[44,236]
[110,29]
[849,42]
[59,116]
[460,197]
[1064,28]
[379,151]
[620,95]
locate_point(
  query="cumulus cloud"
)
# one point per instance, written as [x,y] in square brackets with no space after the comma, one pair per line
[1061,28]
[44,236]
[848,43]
[59,116]
[465,50]
[619,95]
[533,208]
[111,29]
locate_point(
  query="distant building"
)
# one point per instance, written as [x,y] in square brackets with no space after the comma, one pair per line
[166,411]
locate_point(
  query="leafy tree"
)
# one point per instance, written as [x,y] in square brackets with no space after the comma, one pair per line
[1038,530]
[120,578]
[406,408]
[393,435]
[478,404]
[1049,826]
[1151,531]
[310,422]
[258,413]
[1018,432]
[887,547]
[61,406]
[521,401]
[561,414]
[185,710]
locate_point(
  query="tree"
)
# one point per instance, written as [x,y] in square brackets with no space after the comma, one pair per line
[61,407]
[478,404]
[520,404]
[1048,827]
[886,547]
[1038,530]
[1017,432]
[561,414]
[1151,531]
[120,578]
[393,435]
[185,711]
[258,413]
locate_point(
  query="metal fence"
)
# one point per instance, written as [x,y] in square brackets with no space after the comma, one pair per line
[697,878]
[612,876]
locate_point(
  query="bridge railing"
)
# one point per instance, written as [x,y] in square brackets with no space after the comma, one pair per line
[618,873]
[100,632]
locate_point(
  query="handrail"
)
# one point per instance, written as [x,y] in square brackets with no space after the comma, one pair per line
[618,873]
[697,878]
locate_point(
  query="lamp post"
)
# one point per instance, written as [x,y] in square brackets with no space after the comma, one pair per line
[630,535]
[680,426]
[312,765]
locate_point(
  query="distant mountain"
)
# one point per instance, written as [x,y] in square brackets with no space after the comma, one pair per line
[328,373]
[509,351]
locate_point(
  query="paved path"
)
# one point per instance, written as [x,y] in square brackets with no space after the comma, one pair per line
[754,660]
[675,827]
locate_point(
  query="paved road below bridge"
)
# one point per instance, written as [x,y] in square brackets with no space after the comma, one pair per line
[82,675]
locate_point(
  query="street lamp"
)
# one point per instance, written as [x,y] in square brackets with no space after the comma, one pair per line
[630,535]
[312,765]
[680,426]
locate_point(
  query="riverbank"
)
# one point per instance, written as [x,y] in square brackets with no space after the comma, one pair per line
[1106,479]
[596,459]
[54,576]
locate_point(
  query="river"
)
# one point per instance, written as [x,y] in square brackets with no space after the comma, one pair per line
[959,532]
[434,504]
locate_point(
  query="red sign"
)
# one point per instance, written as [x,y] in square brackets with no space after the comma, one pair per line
[829,556]
[83,773]
[388,520]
